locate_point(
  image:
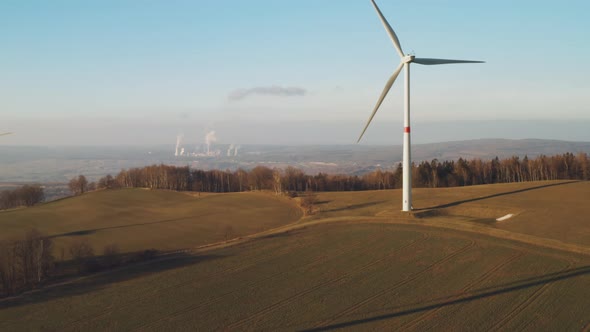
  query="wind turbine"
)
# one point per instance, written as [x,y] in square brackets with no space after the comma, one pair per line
[405,64]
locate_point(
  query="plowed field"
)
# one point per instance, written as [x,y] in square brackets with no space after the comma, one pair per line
[357,276]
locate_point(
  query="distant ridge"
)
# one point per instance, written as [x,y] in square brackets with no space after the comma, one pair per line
[487,148]
[59,164]
[502,148]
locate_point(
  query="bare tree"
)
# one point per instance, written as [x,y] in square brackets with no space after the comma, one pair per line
[78,185]
[277,181]
[8,267]
[108,182]
[74,186]
[34,253]
[308,202]
[25,263]
[82,254]
[83,184]
[27,195]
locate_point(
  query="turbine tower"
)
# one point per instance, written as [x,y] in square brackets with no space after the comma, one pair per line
[406,60]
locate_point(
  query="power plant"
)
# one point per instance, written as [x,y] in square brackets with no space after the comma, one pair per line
[206,151]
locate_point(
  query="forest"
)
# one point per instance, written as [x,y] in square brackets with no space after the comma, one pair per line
[429,174]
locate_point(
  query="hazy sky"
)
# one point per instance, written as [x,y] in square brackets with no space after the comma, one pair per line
[292,71]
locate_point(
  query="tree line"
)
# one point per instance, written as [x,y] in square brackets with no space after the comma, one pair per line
[473,172]
[432,174]
[29,262]
[27,195]
[25,263]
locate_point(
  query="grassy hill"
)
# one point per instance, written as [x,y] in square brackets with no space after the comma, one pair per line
[360,276]
[554,210]
[358,263]
[137,219]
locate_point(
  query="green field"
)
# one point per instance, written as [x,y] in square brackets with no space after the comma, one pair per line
[358,263]
[138,219]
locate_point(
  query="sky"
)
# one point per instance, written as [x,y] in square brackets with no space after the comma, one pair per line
[289,72]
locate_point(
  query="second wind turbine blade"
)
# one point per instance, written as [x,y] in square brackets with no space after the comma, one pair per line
[390,31]
[430,61]
[382,97]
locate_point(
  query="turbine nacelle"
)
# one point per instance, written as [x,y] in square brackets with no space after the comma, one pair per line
[408,59]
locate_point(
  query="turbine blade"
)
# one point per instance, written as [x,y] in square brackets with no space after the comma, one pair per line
[428,61]
[382,97]
[390,31]
[2,134]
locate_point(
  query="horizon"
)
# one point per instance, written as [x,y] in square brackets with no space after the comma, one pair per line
[168,145]
[148,72]
[309,133]
[36,164]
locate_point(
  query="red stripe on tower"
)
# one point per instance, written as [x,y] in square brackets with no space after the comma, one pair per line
[406,129]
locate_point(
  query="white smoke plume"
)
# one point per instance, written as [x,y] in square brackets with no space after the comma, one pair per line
[210,138]
[229,150]
[236,150]
[178,142]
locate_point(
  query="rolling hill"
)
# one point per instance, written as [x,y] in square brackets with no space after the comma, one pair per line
[328,276]
[554,210]
[138,219]
[360,264]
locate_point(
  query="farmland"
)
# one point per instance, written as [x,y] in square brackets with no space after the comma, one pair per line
[137,219]
[374,276]
[553,210]
[357,263]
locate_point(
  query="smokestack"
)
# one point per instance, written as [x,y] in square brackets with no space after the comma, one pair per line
[210,138]
[231,147]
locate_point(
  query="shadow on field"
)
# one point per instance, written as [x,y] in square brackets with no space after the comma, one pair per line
[95,282]
[95,230]
[356,206]
[442,206]
[477,294]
